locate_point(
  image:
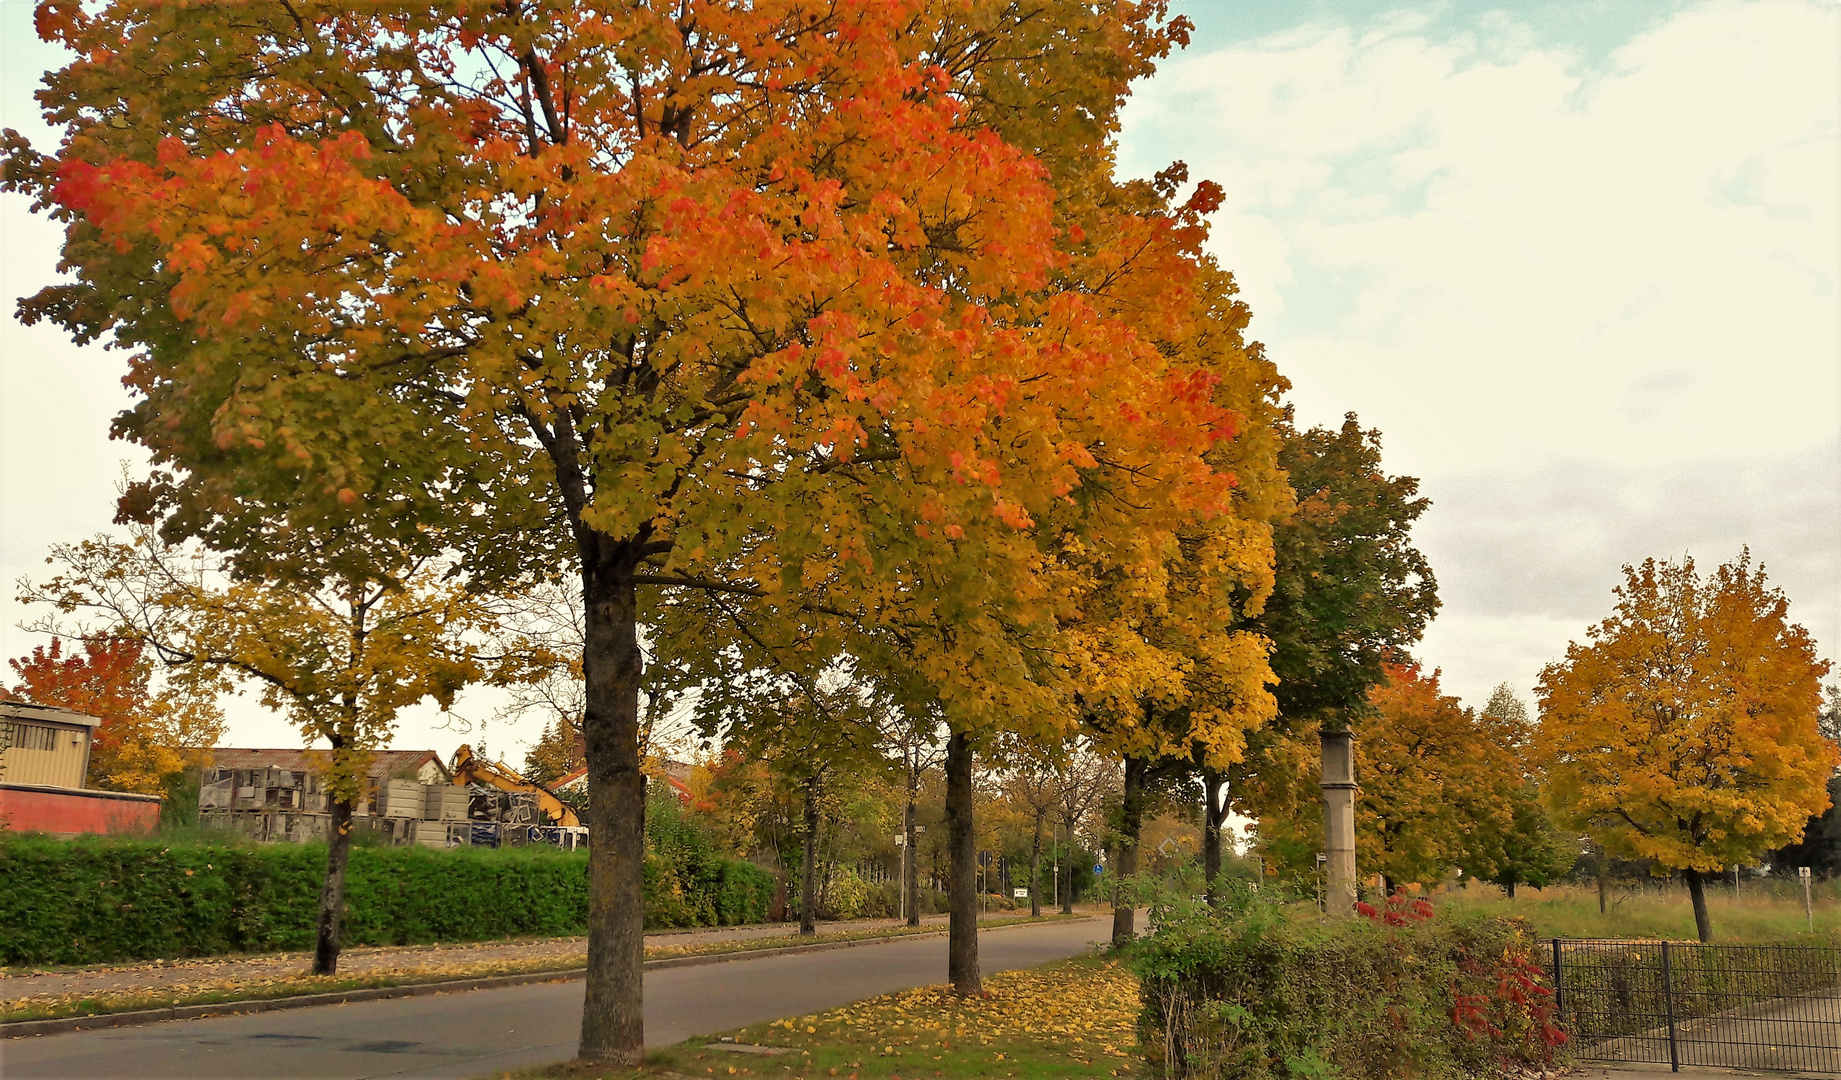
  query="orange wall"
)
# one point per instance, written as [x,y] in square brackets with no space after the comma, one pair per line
[33,809]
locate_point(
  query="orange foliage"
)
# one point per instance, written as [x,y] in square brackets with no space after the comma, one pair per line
[144,737]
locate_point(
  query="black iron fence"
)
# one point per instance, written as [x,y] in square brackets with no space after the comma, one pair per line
[1775,1007]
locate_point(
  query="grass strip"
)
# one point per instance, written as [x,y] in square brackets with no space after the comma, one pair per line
[1070,1020]
[230,991]
[1764,914]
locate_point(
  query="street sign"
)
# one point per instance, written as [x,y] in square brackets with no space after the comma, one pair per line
[1099,869]
[1802,871]
[901,839]
[1019,894]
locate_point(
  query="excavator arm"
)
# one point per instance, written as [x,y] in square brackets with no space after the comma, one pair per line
[469,769]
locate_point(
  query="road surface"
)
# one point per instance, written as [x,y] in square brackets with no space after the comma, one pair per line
[479,1033]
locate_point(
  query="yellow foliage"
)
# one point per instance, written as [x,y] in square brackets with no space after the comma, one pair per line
[1685,730]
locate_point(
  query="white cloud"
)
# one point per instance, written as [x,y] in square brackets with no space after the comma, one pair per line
[1521,225]
[1563,287]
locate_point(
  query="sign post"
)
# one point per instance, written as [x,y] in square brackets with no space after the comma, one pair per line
[901,890]
[1808,906]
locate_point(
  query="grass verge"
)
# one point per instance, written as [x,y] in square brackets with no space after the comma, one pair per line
[1762,915]
[1071,1020]
[231,990]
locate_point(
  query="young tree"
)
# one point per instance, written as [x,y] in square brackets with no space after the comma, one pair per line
[1084,782]
[557,753]
[735,297]
[1432,778]
[147,737]
[1350,593]
[1031,791]
[1525,847]
[1685,731]
[341,656]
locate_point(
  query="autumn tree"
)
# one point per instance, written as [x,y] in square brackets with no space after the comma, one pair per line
[1435,780]
[1820,846]
[1525,847]
[149,734]
[555,754]
[1350,594]
[340,657]
[1170,675]
[703,296]
[1031,791]
[1685,730]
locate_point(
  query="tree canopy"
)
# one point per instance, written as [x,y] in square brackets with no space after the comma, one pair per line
[833,308]
[1685,730]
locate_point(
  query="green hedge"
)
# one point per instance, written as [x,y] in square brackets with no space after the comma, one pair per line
[1265,991]
[95,901]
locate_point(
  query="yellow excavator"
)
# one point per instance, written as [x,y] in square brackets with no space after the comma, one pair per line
[469,769]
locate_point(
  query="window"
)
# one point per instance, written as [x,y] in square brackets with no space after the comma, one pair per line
[31,736]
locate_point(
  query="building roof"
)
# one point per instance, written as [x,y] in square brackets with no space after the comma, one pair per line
[44,714]
[383,762]
[677,774]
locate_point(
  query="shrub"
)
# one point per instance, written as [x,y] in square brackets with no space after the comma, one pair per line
[1260,990]
[97,900]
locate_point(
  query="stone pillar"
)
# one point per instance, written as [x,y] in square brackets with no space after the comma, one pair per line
[1339,821]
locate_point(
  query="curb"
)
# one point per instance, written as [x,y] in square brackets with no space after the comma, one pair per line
[23,1028]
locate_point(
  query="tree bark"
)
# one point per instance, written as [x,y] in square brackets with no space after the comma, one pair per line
[911,879]
[1067,870]
[613,1026]
[1035,870]
[1697,891]
[332,890]
[962,922]
[1131,826]
[1601,892]
[1510,888]
[808,883]
[1212,818]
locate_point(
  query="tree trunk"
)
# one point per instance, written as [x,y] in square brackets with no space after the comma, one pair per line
[332,890]
[1697,891]
[1212,818]
[1067,870]
[808,884]
[911,879]
[1510,887]
[1601,892]
[962,924]
[1035,870]
[1131,826]
[613,1025]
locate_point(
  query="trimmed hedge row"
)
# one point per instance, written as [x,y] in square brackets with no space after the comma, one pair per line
[92,900]
[1258,991]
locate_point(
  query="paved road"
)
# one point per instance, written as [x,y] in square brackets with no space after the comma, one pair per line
[476,1034]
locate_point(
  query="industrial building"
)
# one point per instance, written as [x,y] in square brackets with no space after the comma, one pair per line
[409,797]
[44,759]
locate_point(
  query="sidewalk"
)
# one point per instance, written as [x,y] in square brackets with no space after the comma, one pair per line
[1599,1071]
[206,973]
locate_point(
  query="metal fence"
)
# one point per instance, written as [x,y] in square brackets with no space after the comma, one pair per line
[1773,1007]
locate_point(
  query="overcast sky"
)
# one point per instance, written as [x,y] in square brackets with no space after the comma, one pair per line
[1577,261]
